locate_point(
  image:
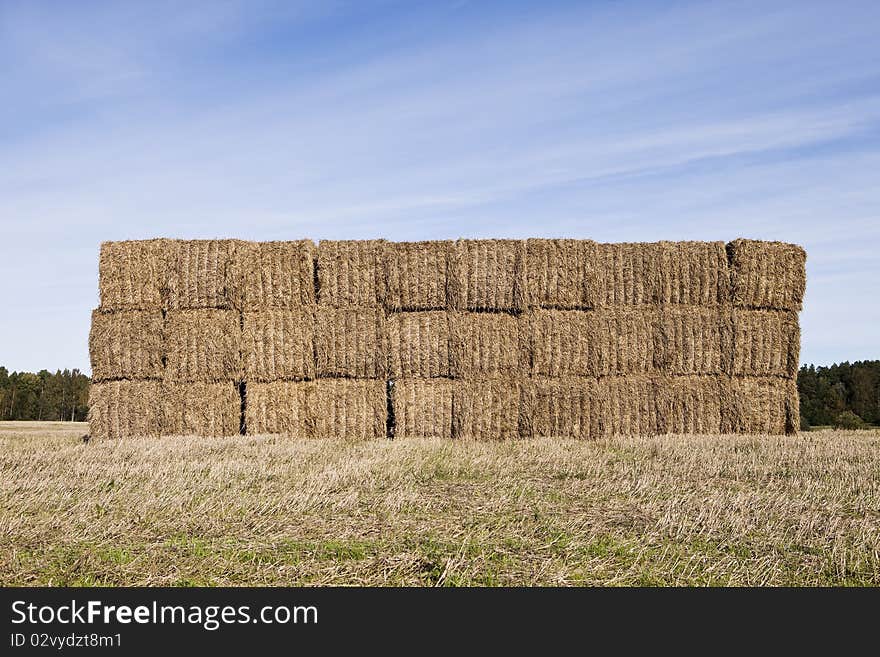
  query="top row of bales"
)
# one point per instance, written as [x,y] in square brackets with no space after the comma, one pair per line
[493,275]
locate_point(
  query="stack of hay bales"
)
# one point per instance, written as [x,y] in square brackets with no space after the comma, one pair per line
[480,339]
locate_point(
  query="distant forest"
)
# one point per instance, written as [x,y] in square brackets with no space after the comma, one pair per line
[845,395]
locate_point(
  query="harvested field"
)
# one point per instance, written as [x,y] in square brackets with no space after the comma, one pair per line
[201,409]
[351,342]
[203,346]
[767,274]
[488,275]
[416,275]
[420,344]
[276,274]
[351,272]
[133,275]
[264,511]
[127,345]
[279,344]
[422,408]
[202,274]
[487,346]
[562,274]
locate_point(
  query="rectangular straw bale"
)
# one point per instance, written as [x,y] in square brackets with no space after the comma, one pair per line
[693,273]
[281,407]
[565,408]
[416,275]
[201,409]
[561,273]
[351,272]
[127,345]
[351,342]
[202,274]
[203,346]
[352,410]
[760,405]
[487,346]
[767,274]
[121,409]
[276,274]
[621,341]
[419,344]
[627,405]
[765,343]
[486,410]
[687,340]
[488,275]
[133,275]
[278,344]
[628,273]
[688,404]
[422,407]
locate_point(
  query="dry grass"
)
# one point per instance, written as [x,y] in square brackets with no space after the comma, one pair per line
[679,510]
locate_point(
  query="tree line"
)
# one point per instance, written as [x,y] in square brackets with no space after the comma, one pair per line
[845,395]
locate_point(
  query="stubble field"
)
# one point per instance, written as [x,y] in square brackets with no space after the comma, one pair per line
[670,510]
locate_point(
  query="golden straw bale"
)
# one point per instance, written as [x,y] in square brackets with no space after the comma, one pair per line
[133,275]
[203,346]
[694,273]
[202,274]
[352,410]
[121,409]
[488,275]
[278,343]
[486,410]
[487,346]
[201,409]
[422,407]
[767,274]
[688,404]
[628,273]
[351,272]
[351,342]
[566,408]
[416,275]
[561,273]
[627,405]
[419,344]
[761,405]
[127,345]
[281,407]
[765,343]
[687,340]
[276,274]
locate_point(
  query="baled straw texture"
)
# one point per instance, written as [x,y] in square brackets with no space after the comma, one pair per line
[560,408]
[627,406]
[634,274]
[767,274]
[688,404]
[351,342]
[488,275]
[351,272]
[487,346]
[416,275]
[120,409]
[565,343]
[419,344]
[203,274]
[203,346]
[765,343]
[351,410]
[281,407]
[759,405]
[422,408]
[687,340]
[127,345]
[279,344]
[201,409]
[486,410]
[561,274]
[133,275]
[276,274]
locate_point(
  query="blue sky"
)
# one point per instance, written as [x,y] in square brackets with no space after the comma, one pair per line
[262,120]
